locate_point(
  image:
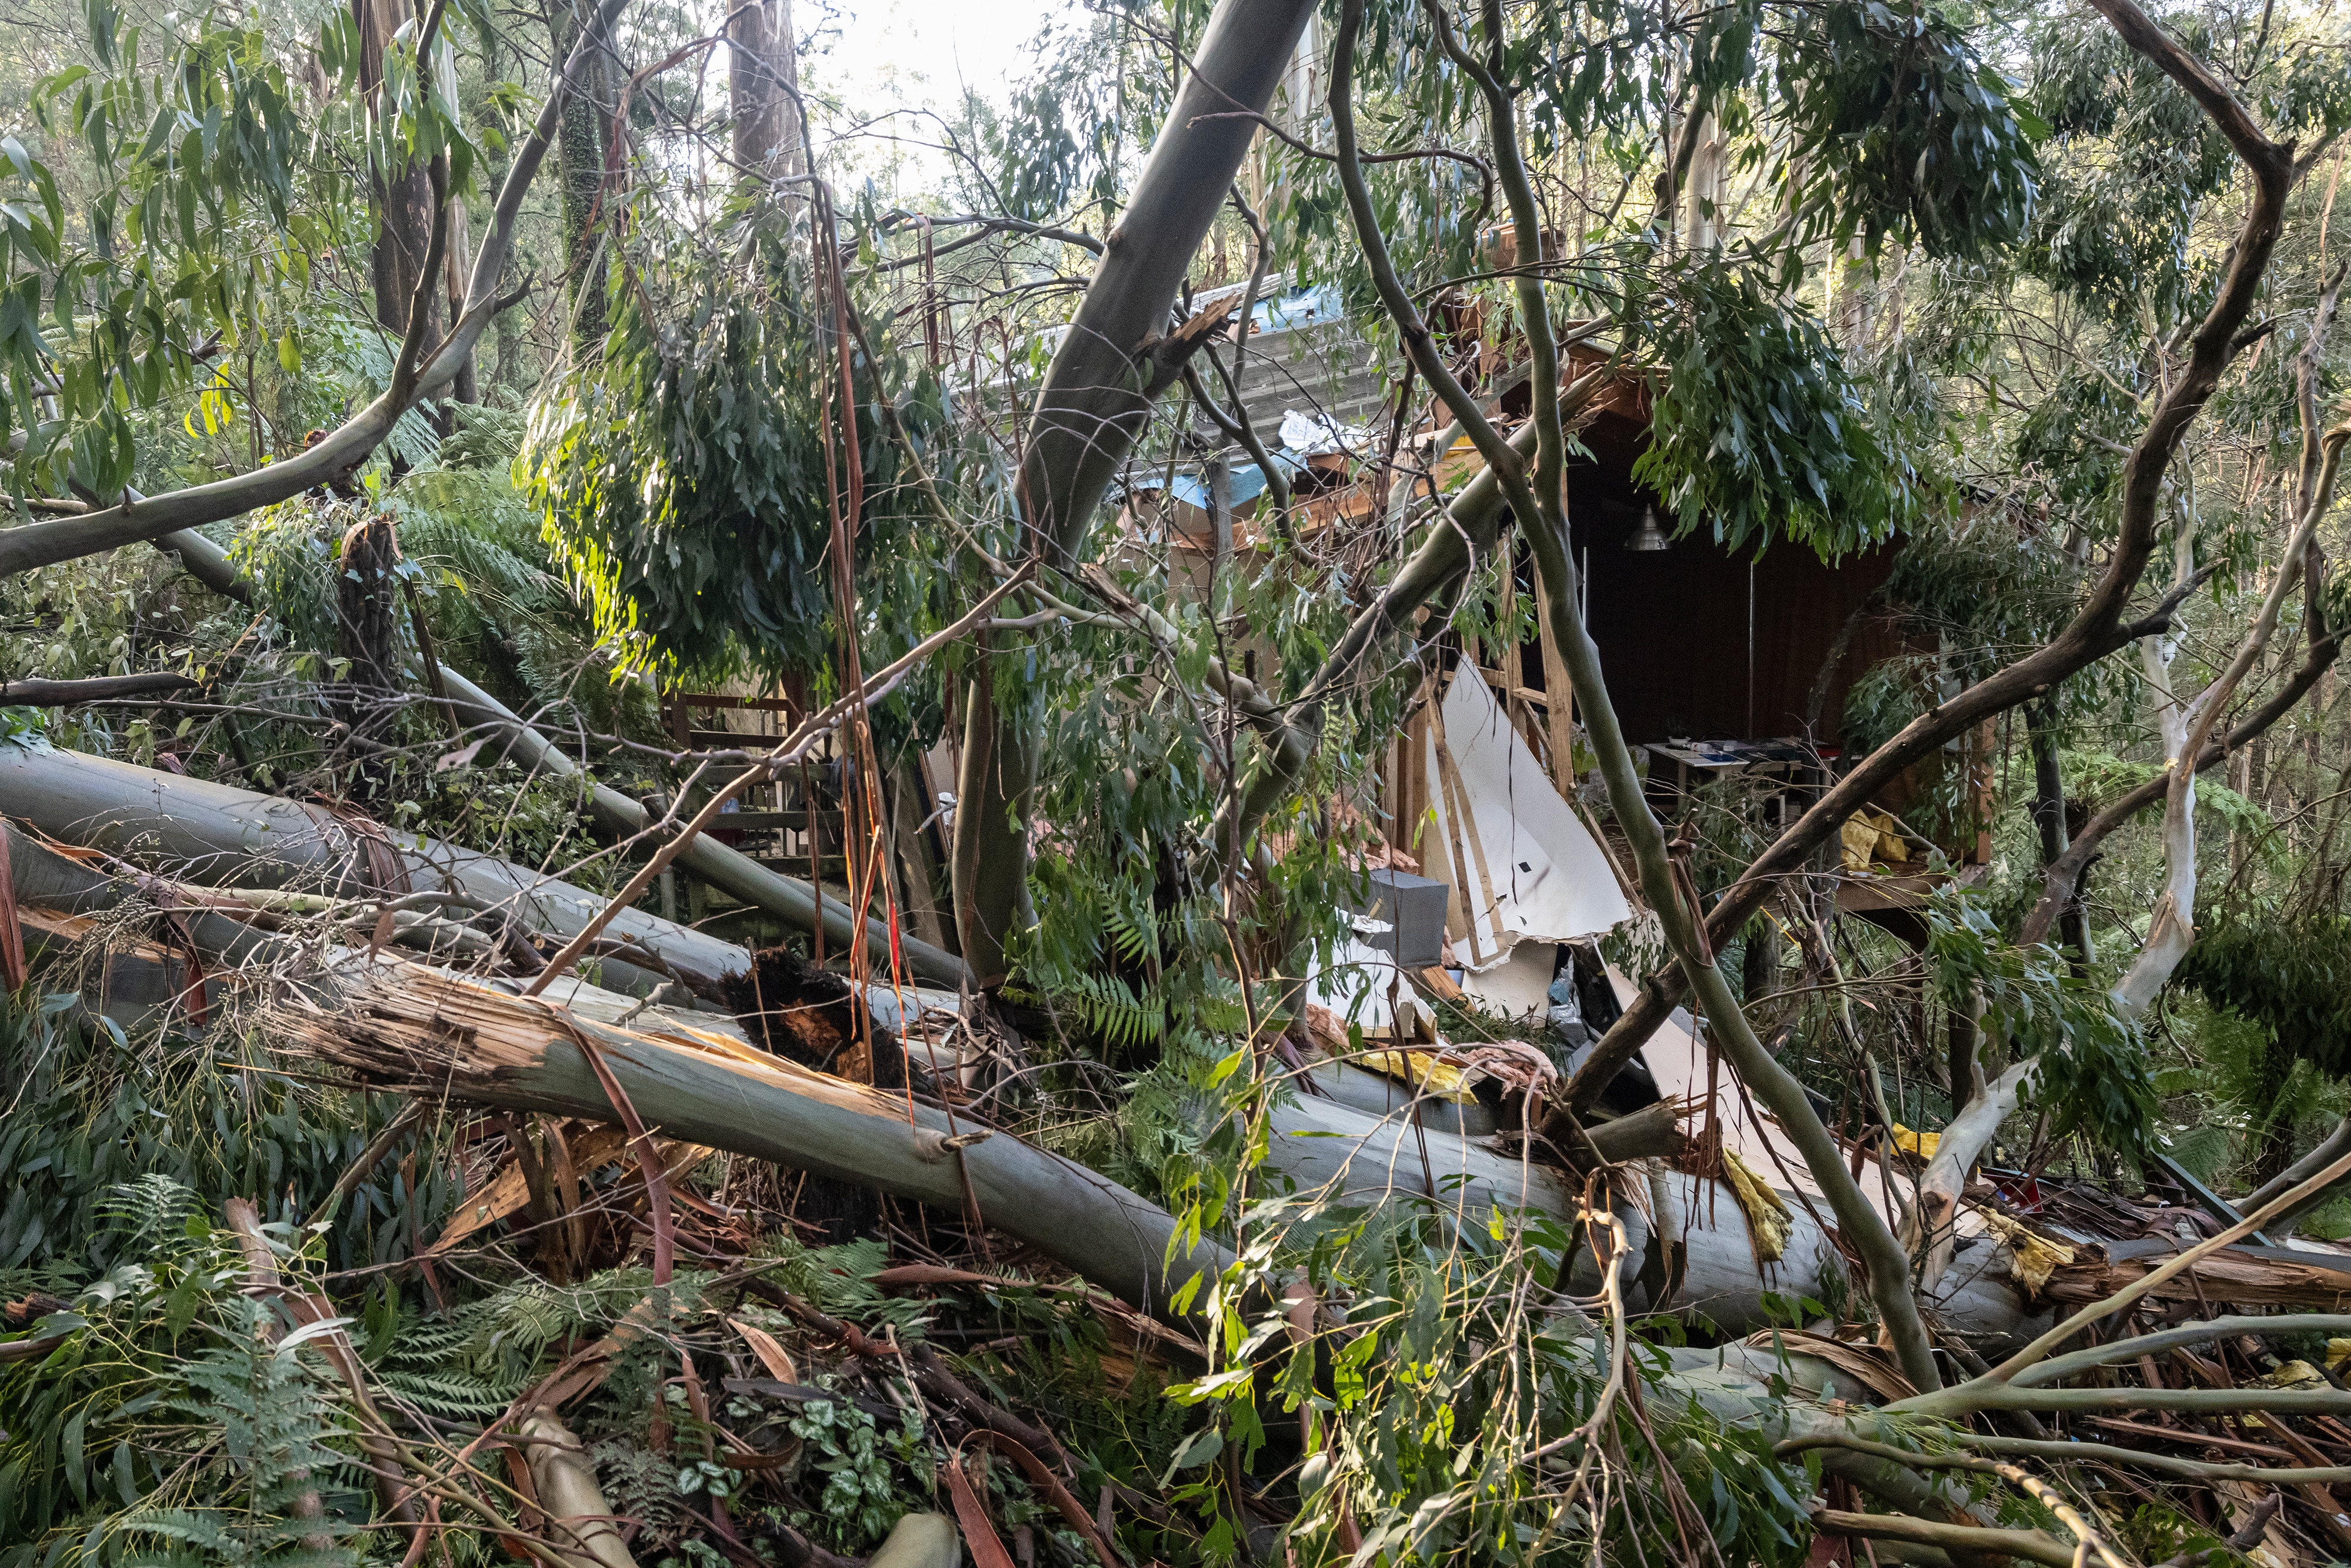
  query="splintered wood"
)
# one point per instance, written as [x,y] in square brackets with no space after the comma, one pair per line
[407,1024]
[2242,1277]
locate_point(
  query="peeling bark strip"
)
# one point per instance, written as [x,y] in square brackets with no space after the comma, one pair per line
[426,1031]
[2241,1276]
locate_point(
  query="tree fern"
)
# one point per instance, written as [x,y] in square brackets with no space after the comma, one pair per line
[2204,1149]
[487,436]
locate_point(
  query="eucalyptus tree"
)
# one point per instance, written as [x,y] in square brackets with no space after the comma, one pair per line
[1874,133]
[205,209]
[2119,184]
[1860,167]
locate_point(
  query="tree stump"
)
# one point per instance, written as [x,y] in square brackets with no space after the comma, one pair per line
[367,635]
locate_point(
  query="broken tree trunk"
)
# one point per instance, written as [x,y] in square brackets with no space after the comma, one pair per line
[218,836]
[143,984]
[696,1078]
[407,1027]
[367,636]
[421,1030]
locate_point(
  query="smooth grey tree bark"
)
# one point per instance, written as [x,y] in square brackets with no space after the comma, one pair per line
[1096,395]
[764,88]
[217,836]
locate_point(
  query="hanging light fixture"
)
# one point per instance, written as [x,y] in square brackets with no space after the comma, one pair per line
[1649,537]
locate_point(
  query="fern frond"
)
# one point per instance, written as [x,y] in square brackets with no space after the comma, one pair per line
[1114,1011]
[147,1211]
[1134,937]
[454,1393]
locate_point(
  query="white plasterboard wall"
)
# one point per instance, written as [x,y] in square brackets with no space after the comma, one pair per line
[1550,882]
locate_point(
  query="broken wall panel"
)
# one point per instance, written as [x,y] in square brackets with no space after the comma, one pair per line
[1522,865]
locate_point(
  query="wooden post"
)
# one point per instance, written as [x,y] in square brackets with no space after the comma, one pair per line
[1509,661]
[1409,791]
[1560,704]
[1458,823]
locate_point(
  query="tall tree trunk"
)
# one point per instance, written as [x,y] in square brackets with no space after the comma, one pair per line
[506,365]
[763,85]
[582,149]
[367,635]
[466,385]
[404,202]
[1096,395]
[2050,819]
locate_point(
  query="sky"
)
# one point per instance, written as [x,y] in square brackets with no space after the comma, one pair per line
[922,53]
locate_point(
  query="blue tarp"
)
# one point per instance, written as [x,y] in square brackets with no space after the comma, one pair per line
[1247,482]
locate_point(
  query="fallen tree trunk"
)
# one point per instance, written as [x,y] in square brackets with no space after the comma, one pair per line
[527,1054]
[710,1087]
[217,836]
[143,984]
[420,1029]
[415,1029]
[1338,1155]
[737,876]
